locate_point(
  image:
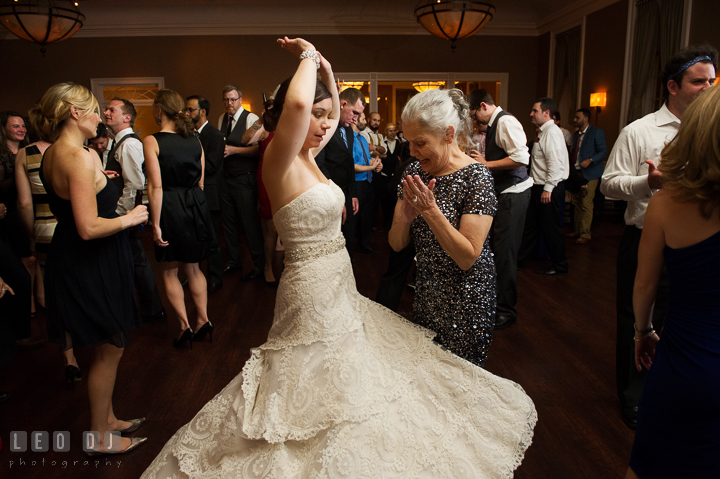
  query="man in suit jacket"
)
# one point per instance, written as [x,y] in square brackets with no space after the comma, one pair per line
[213,143]
[336,160]
[586,156]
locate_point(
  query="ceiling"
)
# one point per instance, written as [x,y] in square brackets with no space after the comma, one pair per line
[117,18]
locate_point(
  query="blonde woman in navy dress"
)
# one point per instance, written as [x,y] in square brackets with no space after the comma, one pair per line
[89,294]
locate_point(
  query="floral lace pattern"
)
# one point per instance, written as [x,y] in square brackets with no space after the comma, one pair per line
[345,388]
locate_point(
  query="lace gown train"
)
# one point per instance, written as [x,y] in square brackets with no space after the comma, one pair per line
[344,388]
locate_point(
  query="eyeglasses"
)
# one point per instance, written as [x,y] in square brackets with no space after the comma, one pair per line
[230,100]
[190,110]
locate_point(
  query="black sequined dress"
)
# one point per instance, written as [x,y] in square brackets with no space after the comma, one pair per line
[458,305]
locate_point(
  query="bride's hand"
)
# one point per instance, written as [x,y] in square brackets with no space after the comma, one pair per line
[295,45]
[325,65]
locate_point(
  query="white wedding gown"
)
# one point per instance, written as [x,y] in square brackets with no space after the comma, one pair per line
[344,388]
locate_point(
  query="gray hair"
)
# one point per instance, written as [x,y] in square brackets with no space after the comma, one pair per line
[435,110]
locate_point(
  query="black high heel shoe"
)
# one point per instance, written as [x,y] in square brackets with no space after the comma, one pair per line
[186,337]
[206,328]
[72,375]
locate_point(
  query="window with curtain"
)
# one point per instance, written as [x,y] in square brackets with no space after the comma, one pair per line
[658,31]
[566,77]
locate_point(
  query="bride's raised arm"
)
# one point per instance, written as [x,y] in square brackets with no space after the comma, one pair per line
[327,77]
[294,121]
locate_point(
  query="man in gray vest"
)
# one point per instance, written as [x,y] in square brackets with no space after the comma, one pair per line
[507,157]
[126,159]
[238,189]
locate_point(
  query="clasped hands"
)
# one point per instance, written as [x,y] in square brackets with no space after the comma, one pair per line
[418,197]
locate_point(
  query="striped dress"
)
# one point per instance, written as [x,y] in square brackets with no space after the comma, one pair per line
[45,222]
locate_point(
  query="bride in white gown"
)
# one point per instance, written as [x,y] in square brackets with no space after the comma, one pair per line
[343,388]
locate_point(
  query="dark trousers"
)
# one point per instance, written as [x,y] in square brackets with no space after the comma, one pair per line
[364,218]
[393,281]
[386,198]
[149,302]
[239,205]
[505,239]
[348,231]
[545,219]
[15,310]
[629,381]
[215,262]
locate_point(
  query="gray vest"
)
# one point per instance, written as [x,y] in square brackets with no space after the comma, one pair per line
[504,179]
[236,165]
[114,165]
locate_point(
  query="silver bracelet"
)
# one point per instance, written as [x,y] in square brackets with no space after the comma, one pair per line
[645,334]
[312,55]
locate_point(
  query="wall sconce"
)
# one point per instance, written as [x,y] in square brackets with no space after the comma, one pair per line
[598,100]
[246,106]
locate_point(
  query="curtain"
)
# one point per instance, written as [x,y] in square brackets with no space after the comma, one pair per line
[560,67]
[671,21]
[644,48]
[567,68]
[574,38]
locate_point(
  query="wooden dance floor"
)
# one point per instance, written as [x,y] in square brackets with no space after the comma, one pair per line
[561,351]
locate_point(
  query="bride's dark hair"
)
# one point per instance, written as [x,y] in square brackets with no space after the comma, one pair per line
[274,106]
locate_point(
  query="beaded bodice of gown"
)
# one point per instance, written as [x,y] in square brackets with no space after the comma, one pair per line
[318,285]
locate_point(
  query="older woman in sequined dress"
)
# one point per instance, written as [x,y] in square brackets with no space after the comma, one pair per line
[447,204]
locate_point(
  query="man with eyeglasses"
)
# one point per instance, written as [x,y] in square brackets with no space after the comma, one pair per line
[213,143]
[238,188]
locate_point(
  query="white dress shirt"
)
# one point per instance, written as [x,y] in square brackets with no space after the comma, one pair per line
[510,136]
[252,118]
[131,158]
[568,136]
[550,164]
[372,137]
[199,130]
[626,173]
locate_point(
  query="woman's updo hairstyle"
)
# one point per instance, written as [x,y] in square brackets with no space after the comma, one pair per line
[48,116]
[274,105]
[435,110]
[173,107]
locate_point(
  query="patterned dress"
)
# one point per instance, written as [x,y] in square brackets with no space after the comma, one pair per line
[458,305]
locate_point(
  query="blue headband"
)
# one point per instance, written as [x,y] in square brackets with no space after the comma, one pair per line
[688,65]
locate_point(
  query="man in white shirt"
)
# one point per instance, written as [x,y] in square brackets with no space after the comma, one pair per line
[238,190]
[550,167]
[375,140]
[566,133]
[507,157]
[631,174]
[126,158]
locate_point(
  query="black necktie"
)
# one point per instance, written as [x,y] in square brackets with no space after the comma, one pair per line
[229,125]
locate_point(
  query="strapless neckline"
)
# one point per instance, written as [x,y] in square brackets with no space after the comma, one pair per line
[301,195]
